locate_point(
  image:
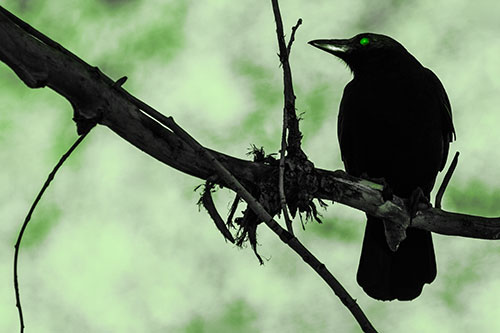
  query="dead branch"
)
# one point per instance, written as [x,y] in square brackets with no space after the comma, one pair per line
[94,96]
[27,219]
[288,109]
[446,180]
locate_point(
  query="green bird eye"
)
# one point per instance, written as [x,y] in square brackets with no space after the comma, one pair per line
[364,41]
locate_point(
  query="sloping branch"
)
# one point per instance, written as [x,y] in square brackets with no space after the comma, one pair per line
[96,97]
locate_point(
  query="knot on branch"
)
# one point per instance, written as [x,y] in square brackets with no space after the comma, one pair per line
[85,121]
[301,184]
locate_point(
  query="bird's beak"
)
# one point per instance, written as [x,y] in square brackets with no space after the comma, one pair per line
[337,47]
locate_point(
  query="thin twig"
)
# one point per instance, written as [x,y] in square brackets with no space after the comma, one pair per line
[285,236]
[446,180]
[294,135]
[28,218]
[287,109]
[281,182]
[291,124]
[292,36]
[232,211]
[208,203]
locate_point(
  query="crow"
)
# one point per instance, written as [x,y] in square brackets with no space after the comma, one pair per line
[395,124]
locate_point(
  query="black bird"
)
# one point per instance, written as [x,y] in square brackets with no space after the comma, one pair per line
[394,123]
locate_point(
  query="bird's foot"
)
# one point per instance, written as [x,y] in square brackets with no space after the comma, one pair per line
[387,192]
[417,201]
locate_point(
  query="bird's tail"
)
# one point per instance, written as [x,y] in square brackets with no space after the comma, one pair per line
[387,275]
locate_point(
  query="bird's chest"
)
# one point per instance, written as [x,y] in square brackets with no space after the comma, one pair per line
[382,111]
[386,126]
[385,115]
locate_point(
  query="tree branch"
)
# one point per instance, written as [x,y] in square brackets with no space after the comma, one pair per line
[294,135]
[446,180]
[288,91]
[293,145]
[367,197]
[292,36]
[94,96]
[27,219]
[285,236]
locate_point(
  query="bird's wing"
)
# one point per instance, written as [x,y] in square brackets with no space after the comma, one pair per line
[344,149]
[340,121]
[446,116]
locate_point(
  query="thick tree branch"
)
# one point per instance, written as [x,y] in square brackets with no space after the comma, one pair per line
[367,197]
[94,97]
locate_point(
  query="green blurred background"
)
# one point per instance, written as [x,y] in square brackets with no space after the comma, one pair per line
[117,243]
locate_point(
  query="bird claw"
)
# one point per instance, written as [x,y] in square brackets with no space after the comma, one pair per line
[387,192]
[417,201]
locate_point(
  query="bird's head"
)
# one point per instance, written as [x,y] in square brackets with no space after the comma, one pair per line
[367,52]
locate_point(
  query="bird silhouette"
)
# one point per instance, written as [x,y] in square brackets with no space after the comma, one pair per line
[394,123]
